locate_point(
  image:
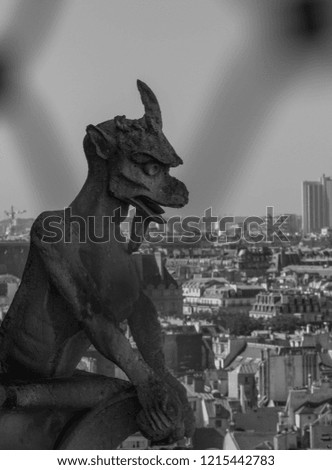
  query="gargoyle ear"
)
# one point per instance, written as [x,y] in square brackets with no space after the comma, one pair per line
[102,142]
[151,105]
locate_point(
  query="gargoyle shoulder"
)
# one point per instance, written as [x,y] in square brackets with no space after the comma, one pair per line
[46,223]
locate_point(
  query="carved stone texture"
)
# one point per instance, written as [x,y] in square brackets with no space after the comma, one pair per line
[80,283]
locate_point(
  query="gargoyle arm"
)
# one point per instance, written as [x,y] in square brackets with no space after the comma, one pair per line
[146,330]
[111,343]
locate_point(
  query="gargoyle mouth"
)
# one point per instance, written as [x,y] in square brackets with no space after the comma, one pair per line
[146,207]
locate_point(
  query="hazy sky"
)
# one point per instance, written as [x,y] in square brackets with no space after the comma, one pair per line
[249,116]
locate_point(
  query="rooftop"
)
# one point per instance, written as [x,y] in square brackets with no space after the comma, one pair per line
[207,438]
[260,420]
[248,440]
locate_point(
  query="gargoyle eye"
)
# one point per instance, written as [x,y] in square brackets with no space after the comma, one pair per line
[151,169]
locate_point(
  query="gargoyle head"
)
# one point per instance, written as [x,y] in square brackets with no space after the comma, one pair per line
[137,158]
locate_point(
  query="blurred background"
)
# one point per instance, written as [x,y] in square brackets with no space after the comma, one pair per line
[244,86]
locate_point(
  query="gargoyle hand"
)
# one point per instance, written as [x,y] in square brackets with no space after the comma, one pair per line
[188,415]
[162,416]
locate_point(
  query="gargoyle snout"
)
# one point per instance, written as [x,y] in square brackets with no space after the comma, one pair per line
[176,193]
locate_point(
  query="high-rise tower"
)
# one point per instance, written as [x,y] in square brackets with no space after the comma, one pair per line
[314,202]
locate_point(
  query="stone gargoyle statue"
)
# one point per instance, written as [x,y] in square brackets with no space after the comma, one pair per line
[76,293]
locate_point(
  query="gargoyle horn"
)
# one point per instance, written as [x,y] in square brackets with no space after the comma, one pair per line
[151,105]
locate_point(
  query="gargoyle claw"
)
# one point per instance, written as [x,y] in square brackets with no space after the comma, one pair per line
[161,420]
[149,427]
